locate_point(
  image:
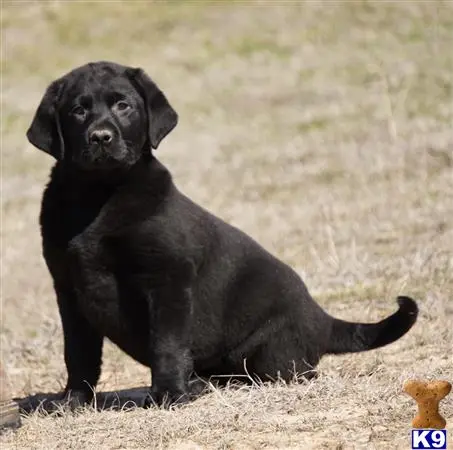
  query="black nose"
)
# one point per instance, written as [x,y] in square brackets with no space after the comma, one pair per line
[101,137]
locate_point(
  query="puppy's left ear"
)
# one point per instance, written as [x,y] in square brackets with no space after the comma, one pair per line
[162,118]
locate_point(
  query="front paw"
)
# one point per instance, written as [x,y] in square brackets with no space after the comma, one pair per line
[71,400]
[165,399]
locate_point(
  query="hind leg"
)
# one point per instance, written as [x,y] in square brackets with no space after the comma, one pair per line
[273,362]
[284,353]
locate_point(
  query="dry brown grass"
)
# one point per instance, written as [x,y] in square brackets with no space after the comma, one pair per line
[322,129]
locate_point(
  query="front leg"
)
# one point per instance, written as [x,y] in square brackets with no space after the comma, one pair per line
[170,354]
[82,351]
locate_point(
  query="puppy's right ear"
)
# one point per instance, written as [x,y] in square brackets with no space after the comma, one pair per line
[45,132]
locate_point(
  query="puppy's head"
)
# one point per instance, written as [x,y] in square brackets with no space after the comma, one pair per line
[101,116]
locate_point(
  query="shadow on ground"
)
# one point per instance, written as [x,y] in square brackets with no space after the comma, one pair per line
[121,399]
[116,400]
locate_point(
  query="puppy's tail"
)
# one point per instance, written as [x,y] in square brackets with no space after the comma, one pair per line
[348,337]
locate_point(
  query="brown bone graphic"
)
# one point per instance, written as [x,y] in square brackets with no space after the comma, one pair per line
[428,394]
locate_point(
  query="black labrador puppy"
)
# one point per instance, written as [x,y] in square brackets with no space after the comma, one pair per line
[134,260]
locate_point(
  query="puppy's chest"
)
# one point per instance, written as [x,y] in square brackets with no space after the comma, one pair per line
[111,288]
[80,239]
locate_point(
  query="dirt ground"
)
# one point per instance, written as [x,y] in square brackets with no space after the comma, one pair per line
[324,130]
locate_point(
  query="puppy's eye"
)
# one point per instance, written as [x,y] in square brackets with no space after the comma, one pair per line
[122,105]
[78,110]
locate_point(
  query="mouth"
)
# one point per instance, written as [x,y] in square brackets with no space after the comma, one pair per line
[97,157]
